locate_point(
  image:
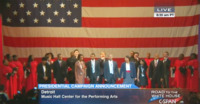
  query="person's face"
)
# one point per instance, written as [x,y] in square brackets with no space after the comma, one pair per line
[32,57]
[148,55]
[141,62]
[102,55]
[76,53]
[81,58]
[126,60]
[156,56]
[110,57]
[49,57]
[165,54]
[44,62]
[92,57]
[60,57]
[181,56]
[131,53]
[6,62]
[136,56]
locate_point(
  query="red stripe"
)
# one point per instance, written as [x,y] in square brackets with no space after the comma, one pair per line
[140,22]
[136,3]
[118,60]
[100,42]
[1,45]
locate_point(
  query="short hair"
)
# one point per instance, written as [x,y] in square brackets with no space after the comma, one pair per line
[127,57]
[58,55]
[92,54]
[193,55]
[44,59]
[167,53]
[14,56]
[136,53]
[8,56]
[76,50]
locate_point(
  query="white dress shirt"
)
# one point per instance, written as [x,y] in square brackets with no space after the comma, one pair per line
[111,66]
[44,69]
[128,67]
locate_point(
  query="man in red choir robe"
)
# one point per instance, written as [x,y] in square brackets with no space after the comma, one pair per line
[14,68]
[6,78]
[193,74]
[148,60]
[20,73]
[180,77]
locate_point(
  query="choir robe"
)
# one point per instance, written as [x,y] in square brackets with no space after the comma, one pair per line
[20,75]
[193,81]
[148,61]
[14,77]
[8,86]
[180,78]
[31,80]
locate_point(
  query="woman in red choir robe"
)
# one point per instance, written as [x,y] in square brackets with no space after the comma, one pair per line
[148,60]
[31,80]
[6,78]
[14,68]
[20,73]
[180,72]
[193,74]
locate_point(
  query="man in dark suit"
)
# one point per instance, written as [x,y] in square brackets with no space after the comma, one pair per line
[44,72]
[93,68]
[156,72]
[71,64]
[60,70]
[111,72]
[101,61]
[166,66]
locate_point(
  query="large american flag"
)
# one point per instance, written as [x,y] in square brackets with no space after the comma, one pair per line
[114,26]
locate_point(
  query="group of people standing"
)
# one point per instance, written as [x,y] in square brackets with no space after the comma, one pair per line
[145,73]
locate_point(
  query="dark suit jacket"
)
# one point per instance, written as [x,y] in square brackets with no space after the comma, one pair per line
[40,73]
[166,66]
[107,74]
[60,72]
[101,62]
[156,72]
[89,69]
[123,70]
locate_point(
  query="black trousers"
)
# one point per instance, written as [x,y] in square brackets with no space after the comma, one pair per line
[111,80]
[166,81]
[93,79]
[101,77]
[156,81]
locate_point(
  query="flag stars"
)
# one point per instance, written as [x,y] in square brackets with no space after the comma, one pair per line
[42,13]
[49,20]
[62,5]
[75,20]
[62,20]
[69,13]
[8,5]
[49,5]
[35,5]
[15,13]
[8,20]
[21,5]
[55,13]
[28,13]
[36,20]
[75,5]
[22,20]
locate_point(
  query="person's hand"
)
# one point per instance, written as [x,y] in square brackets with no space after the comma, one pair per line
[161,79]
[150,78]
[138,79]
[45,78]
[119,78]
[135,79]
[106,80]
[88,78]
[51,70]
[55,79]
[97,79]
